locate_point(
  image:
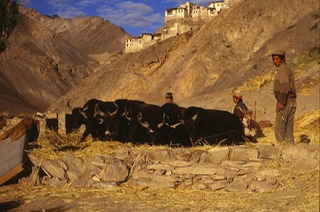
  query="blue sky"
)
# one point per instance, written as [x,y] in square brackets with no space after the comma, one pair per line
[135,16]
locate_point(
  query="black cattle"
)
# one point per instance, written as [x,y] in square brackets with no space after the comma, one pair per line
[92,125]
[104,111]
[213,126]
[117,121]
[177,133]
[74,120]
[86,115]
[120,121]
[153,120]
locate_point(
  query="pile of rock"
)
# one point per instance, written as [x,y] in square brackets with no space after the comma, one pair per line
[236,168]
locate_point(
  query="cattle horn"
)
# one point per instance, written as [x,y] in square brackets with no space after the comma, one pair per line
[97,111]
[68,104]
[114,112]
[175,125]
[85,107]
[144,124]
[194,118]
[128,117]
[125,111]
[83,113]
[163,121]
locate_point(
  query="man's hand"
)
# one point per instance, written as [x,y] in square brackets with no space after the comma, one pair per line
[279,106]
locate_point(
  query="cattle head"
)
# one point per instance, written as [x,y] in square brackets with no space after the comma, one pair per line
[154,128]
[189,120]
[75,120]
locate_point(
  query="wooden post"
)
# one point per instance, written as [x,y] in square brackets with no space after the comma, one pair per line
[62,123]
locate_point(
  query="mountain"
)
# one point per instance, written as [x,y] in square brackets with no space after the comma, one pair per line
[203,67]
[92,36]
[42,64]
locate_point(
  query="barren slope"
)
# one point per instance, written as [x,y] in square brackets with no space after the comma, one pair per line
[203,67]
[92,36]
[46,57]
[38,67]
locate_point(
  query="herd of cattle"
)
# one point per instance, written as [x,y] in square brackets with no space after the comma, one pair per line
[138,122]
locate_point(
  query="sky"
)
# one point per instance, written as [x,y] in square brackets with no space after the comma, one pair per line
[135,16]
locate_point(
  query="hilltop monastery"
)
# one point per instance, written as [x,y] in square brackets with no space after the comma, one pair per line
[178,20]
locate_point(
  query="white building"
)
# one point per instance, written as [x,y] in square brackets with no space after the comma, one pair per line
[134,44]
[193,11]
[177,21]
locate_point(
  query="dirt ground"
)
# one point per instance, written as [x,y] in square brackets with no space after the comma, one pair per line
[301,195]
[294,193]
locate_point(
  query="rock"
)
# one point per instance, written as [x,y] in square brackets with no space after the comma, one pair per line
[57,183]
[263,183]
[35,159]
[76,167]
[215,155]
[153,182]
[218,185]
[180,154]
[235,166]
[267,172]
[186,183]
[54,168]
[34,177]
[198,186]
[81,183]
[195,156]
[122,153]
[198,169]
[114,171]
[160,172]
[141,174]
[243,154]
[237,186]
[161,166]
[239,183]
[105,185]
[296,156]
[168,165]
[218,177]
[267,151]
[159,155]
[94,171]
[252,164]
[261,186]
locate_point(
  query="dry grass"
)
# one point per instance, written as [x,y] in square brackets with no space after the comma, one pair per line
[258,82]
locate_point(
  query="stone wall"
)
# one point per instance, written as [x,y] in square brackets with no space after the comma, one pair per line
[237,168]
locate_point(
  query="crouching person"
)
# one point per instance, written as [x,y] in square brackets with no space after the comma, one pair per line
[244,114]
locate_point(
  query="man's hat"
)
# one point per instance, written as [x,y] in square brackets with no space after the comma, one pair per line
[279,52]
[169,95]
[237,94]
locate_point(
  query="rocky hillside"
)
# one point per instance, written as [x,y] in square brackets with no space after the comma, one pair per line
[41,64]
[92,36]
[203,67]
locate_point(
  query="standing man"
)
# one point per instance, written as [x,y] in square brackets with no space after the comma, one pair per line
[285,93]
[169,97]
